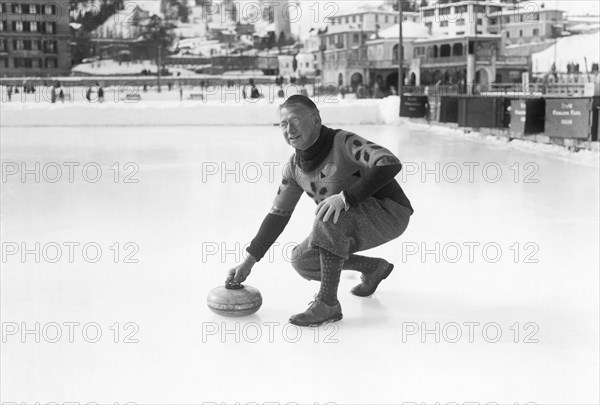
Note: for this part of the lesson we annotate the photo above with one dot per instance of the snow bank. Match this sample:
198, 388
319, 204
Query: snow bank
574, 49
169, 113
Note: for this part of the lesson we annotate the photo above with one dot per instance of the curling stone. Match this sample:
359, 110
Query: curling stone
234, 300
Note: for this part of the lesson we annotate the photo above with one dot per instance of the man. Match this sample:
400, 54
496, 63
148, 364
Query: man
359, 206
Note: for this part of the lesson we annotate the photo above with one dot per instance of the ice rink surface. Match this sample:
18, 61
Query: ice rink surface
499, 264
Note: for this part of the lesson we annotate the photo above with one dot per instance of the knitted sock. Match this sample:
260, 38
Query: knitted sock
331, 268
364, 264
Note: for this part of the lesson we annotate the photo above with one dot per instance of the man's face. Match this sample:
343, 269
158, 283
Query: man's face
300, 126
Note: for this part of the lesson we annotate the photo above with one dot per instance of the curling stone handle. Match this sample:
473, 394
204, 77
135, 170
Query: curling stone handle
234, 286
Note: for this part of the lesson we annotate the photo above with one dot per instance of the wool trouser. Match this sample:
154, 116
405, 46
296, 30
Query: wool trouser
371, 223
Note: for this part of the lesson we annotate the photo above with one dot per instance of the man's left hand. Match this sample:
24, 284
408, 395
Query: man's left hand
332, 205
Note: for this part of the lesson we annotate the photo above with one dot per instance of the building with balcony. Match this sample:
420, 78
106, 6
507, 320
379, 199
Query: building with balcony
34, 38
453, 17
465, 61
344, 52
383, 55
526, 23
518, 23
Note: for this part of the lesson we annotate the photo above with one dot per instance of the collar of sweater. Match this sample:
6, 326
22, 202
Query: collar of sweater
312, 157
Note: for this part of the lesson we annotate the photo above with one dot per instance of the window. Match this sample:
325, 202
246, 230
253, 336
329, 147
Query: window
353, 18
355, 38
478, 32
520, 33
50, 46
3, 47
376, 17
443, 23
507, 34
27, 45
26, 26
32, 9
50, 28
49, 9
4, 62
429, 13
460, 21
26, 62
477, 9
386, 19
2, 26
33, 27
18, 26
461, 10
51, 63
16, 9
36, 63
460, 33
479, 21
506, 20
536, 32
445, 10
3, 8
18, 45
36, 45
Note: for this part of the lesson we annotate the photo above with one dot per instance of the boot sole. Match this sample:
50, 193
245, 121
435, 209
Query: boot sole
385, 275
330, 320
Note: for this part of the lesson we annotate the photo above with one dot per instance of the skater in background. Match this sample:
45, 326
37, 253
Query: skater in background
53, 94
427, 111
100, 93
359, 206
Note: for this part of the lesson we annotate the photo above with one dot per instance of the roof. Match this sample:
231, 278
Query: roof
409, 30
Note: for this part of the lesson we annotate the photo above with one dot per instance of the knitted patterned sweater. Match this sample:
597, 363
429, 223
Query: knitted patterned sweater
354, 165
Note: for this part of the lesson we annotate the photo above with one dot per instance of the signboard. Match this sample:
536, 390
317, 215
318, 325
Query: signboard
527, 116
413, 106
569, 117
518, 116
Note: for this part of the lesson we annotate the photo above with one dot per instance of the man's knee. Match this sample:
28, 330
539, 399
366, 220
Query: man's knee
306, 263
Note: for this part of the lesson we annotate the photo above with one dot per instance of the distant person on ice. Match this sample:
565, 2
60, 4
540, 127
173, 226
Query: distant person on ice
359, 206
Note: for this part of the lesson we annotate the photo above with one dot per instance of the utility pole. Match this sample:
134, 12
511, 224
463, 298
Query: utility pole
159, 61
400, 55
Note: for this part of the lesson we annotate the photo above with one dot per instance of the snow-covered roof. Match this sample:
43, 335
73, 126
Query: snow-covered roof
409, 30
573, 49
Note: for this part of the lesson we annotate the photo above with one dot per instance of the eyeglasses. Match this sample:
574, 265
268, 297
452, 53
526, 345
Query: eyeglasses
292, 121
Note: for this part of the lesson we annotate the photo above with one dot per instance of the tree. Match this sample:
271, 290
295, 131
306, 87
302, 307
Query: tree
93, 13
156, 34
